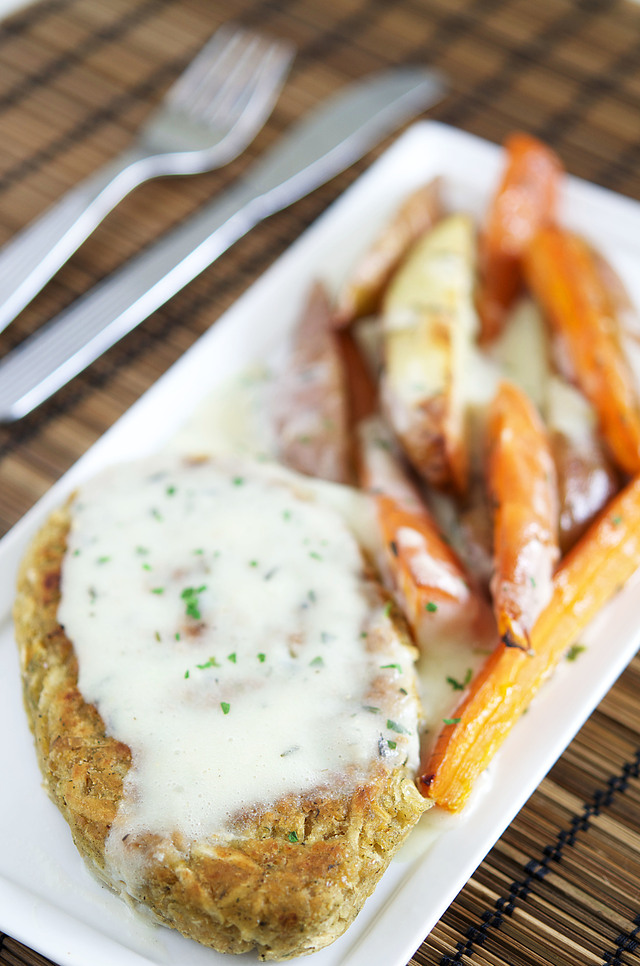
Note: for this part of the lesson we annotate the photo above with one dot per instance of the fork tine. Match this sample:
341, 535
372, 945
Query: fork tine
256, 87
227, 71
219, 47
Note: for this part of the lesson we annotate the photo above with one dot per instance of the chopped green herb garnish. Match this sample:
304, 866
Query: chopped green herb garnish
186, 674
398, 728
157, 636
392, 744
147, 566
431, 607
371, 708
226, 707
398, 668
170, 490
460, 685
190, 597
210, 663
316, 556
293, 837
232, 657
450, 721
76, 553
286, 514
103, 560
387, 608
616, 521
142, 550
253, 563
157, 590
575, 651
177, 635
238, 480
262, 658
198, 551
317, 662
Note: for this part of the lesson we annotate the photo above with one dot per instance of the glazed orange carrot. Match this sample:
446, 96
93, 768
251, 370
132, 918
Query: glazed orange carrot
525, 200
564, 275
523, 489
363, 290
426, 577
589, 576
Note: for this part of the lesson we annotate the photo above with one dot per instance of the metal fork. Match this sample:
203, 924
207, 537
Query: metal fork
207, 118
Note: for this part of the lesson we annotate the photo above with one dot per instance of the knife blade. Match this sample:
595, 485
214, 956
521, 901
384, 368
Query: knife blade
316, 149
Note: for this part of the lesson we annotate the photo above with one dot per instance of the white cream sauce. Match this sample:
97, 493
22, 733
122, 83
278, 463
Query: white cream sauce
225, 632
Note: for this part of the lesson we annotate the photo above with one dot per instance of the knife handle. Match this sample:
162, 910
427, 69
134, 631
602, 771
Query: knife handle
57, 352
36, 253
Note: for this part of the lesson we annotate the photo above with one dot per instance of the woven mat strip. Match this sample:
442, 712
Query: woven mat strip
562, 885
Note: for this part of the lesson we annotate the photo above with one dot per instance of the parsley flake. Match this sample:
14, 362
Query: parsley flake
398, 728
190, 596
226, 707
460, 685
210, 663
431, 607
450, 721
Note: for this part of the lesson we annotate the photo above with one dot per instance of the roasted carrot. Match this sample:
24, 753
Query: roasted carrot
523, 489
588, 577
564, 275
362, 292
525, 200
428, 580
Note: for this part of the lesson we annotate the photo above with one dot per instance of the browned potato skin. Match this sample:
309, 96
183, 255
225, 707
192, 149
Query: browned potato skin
363, 291
310, 406
429, 325
586, 483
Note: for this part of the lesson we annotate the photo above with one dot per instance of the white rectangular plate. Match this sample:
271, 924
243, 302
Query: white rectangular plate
47, 899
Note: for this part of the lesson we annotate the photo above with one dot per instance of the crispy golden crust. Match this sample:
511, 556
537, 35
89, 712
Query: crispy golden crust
292, 881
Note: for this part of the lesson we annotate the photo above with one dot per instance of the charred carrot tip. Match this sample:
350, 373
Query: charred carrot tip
510, 641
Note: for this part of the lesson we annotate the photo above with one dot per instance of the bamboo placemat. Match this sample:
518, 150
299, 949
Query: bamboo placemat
77, 77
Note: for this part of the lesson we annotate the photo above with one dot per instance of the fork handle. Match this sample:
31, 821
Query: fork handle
36, 253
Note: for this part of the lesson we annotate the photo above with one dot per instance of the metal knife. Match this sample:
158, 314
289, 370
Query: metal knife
316, 149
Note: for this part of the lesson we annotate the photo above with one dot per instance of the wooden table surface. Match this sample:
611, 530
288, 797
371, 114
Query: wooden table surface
77, 77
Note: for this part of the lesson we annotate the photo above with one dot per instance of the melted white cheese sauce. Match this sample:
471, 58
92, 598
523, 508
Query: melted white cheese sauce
224, 631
